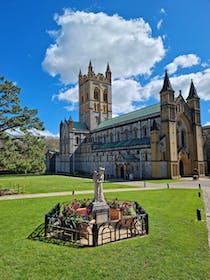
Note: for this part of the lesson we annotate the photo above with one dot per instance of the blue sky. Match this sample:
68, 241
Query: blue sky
45, 43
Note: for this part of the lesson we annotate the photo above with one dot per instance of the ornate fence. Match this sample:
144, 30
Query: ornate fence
92, 234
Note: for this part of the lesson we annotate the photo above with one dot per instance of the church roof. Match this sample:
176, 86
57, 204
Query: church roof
122, 144
141, 113
79, 126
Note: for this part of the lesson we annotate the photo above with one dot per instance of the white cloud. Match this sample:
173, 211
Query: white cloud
201, 81
129, 95
18, 133
70, 95
159, 24
183, 61
44, 133
127, 90
127, 44
162, 11
207, 124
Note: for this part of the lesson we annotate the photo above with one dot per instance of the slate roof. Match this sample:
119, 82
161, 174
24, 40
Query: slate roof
192, 92
138, 114
166, 84
122, 144
79, 126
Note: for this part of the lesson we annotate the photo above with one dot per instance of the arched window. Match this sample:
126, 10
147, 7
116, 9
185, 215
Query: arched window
135, 133
126, 134
183, 138
118, 136
105, 96
78, 140
95, 107
144, 131
96, 93
111, 137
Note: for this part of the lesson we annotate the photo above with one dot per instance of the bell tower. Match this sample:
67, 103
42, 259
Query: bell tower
168, 127
193, 102
95, 97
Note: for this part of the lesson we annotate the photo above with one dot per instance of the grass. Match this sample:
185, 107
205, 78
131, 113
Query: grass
49, 183
176, 247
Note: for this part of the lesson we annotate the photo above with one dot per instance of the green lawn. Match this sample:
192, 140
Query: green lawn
49, 183
175, 249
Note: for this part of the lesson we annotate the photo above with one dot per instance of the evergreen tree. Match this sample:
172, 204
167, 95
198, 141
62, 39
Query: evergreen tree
24, 153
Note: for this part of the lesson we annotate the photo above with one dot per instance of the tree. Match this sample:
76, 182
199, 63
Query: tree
12, 115
24, 153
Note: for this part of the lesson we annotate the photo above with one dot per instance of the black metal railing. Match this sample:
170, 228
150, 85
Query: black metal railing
87, 233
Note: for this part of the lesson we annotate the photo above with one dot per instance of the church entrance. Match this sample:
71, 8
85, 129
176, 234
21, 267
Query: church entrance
181, 168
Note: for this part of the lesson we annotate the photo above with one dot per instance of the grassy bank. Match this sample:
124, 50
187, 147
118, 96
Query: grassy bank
176, 247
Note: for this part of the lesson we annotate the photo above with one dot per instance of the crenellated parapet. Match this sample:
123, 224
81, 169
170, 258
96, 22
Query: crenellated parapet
97, 77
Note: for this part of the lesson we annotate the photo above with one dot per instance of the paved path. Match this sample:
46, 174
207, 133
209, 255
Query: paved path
203, 183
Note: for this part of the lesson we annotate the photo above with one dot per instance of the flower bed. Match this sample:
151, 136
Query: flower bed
73, 221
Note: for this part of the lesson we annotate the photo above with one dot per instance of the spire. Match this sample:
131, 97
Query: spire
108, 68
90, 69
80, 73
108, 73
166, 84
192, 92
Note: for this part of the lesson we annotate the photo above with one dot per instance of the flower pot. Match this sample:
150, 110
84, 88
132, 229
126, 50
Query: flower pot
127, 221
115, 214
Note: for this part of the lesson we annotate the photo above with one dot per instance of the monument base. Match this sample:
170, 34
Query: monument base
100, 212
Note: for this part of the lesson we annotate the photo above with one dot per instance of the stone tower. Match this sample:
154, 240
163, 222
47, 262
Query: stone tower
193, 102
95, 97
155, 150
168, 128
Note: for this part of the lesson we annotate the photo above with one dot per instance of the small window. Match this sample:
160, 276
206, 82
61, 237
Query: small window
105, 96
96, 94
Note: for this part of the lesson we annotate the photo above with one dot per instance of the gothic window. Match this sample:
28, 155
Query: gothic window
118, 136
144, 131
135, 133
105, 96
105, 110
104, 138
183, 138
82, 99
126, 134
177, 137
95, 107
96, 94
98, 108
145, 156
111, 137
78, 140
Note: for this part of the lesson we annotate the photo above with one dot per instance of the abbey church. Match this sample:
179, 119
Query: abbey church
164, 140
